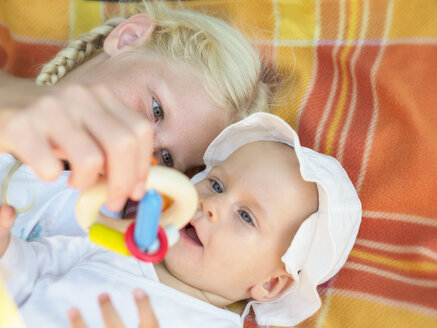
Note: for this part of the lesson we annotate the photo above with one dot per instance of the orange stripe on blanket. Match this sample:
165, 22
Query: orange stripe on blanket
402, 168
368, 282
313, 110
352, 156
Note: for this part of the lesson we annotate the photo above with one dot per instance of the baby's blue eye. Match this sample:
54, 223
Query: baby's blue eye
246, 217
217, 188
157, 109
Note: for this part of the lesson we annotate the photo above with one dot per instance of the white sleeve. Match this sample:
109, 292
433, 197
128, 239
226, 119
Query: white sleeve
26, 263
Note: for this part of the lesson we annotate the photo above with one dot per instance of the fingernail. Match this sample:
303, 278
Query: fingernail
139, 294
6, 210
73, 313
116, 205
103, 297
138, 191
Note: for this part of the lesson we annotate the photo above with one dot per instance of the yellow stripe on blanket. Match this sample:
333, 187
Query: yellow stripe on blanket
85, 16
351, 34
296, 20
419, 266
41, 22
362, 313
414, 20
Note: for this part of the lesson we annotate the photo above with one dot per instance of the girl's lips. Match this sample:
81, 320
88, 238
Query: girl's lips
189, 234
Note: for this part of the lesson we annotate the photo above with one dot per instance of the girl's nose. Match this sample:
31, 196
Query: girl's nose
209, 210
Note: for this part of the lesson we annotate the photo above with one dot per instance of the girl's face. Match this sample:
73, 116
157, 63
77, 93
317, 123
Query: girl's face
170, 95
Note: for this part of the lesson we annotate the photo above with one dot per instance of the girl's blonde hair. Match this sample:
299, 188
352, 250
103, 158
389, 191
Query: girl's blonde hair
221, 54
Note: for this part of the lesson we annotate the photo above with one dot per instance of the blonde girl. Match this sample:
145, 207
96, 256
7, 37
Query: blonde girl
186, 75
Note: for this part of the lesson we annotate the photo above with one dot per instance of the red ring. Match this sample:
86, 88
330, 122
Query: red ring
156, 257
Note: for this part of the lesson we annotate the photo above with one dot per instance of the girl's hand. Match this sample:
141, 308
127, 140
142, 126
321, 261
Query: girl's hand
7, 219
110, 316
89, 127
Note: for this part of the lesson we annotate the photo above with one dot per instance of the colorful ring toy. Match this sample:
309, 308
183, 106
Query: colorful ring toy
144, 256
118, 235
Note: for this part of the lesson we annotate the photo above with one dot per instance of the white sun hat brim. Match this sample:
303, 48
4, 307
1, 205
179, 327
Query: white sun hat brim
324, 240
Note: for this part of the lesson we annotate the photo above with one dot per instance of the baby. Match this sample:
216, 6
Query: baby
274, 220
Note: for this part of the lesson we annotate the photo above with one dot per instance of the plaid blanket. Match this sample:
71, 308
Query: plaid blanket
362, 78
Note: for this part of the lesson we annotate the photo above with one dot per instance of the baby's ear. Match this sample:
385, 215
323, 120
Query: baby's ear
135, 30
271, 288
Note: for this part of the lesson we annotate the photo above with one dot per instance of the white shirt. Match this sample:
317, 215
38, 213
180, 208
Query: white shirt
49, 276
50, 206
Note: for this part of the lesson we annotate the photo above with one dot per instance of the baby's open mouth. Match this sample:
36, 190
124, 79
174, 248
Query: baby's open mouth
190, 232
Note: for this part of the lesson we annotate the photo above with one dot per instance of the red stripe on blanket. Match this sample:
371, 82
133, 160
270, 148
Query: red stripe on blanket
397, 232
334, 110
356, 139
24, 65
5, 46
313, 110
25, 58
369, 283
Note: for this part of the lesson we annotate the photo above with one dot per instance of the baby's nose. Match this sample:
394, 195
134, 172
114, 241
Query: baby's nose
208, 210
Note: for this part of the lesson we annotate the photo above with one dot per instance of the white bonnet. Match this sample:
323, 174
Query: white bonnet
323, 241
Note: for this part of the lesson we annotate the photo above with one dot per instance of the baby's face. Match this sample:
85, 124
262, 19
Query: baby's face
250, 207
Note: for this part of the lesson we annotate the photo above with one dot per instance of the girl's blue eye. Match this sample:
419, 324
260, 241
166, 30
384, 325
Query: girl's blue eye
166, 158
217, 188
157, 109
246, 217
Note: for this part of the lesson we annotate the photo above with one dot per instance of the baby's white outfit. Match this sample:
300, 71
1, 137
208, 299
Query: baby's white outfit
51, 205
49, 276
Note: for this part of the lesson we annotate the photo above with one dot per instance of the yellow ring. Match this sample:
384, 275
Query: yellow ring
167, 181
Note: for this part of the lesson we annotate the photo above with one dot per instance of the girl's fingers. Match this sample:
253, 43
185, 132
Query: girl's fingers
141, 130
110, 316
145, 311
26, 141
79, 148
95, 131
76, 319
7, 218
116, 141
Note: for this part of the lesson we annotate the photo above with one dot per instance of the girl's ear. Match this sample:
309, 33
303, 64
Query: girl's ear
133, 31
269, 289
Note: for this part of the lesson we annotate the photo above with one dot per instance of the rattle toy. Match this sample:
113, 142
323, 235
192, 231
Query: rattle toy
170, 199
